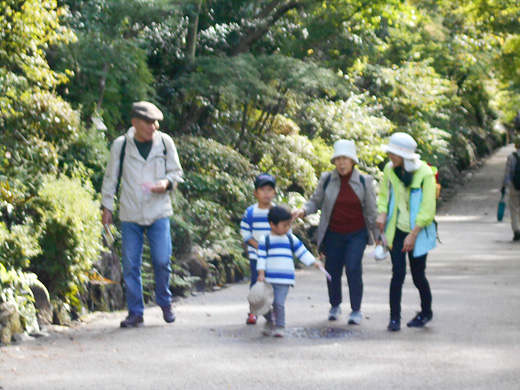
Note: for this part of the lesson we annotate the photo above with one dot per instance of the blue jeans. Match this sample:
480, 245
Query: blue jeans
278, 310
160, 241
345, 250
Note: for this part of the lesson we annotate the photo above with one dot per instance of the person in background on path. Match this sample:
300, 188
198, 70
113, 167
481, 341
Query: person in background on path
514, 193
406, 206
276, 265
347, 202
255, 225
516, 121
150, 171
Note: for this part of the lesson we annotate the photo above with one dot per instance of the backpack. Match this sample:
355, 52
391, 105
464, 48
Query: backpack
122, 158
516, 173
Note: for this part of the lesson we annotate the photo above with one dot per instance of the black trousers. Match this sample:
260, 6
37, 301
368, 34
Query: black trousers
417, 267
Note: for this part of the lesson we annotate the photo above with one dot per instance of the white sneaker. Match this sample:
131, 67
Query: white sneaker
279, 332
268, 329
334, 313
355, 318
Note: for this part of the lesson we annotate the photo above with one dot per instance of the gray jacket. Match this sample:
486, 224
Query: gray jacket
136, 205
325, 199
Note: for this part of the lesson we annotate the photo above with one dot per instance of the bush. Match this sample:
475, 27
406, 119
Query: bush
69, 219
215, 172
15, 289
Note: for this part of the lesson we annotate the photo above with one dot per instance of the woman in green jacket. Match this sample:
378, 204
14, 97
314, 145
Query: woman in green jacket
406, 206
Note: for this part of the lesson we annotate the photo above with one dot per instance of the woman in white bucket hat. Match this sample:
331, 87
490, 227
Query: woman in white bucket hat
406, 206
347, 202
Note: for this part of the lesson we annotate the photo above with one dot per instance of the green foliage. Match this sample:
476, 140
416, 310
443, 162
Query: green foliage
216, 173
358, 118
108, 64
27, 29
68, 217
35, 126
90, 148
289, 159
18, 245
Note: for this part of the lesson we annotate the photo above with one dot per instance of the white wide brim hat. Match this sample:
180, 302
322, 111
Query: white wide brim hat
261, 297
345, 148
403, 145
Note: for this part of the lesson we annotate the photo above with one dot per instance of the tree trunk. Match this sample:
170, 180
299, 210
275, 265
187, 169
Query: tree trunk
102, 85
271, 14
193, 27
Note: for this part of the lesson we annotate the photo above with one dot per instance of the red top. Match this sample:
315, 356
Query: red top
347, 214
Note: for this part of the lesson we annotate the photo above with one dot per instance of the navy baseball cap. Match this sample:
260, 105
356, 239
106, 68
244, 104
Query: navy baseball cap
265, 179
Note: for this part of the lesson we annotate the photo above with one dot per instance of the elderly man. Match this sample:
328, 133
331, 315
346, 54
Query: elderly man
145, 163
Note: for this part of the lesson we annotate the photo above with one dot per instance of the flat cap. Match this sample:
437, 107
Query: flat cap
147, 111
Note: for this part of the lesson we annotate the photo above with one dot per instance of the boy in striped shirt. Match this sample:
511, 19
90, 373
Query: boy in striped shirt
255, 225
276, 265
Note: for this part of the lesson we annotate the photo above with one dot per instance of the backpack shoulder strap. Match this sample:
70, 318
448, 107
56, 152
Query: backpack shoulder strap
291, 241
249, 216
267, 244
362, 179
121, 160
165, 151
327, 181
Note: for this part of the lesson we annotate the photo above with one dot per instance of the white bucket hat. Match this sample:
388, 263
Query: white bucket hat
261, 297
345, 148
403, 145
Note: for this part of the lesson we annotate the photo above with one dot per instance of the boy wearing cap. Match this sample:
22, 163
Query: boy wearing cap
144, 162
276, 264
255, 225
406, 206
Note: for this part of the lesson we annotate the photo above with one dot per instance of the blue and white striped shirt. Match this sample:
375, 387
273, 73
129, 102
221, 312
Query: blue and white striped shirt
256, 228
278, 263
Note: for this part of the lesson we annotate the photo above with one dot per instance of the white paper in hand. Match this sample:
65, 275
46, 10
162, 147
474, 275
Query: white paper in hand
326, 273
147, 187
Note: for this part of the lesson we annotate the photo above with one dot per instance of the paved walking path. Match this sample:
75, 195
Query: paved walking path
473, 341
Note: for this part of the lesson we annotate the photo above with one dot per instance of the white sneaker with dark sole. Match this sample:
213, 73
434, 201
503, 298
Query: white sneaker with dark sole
268, 329
355, 318
334, 313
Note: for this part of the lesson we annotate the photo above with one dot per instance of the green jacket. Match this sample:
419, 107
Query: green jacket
422, 178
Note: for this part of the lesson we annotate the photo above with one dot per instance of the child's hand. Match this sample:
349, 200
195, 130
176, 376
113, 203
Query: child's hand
318, 264
253, 243
260, 278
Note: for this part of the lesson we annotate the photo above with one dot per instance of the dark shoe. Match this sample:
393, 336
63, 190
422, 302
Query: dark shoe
516, 237
419, 320
168, 314
132, 321
394, 325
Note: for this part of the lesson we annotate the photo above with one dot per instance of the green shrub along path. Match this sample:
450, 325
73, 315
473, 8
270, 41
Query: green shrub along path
472, 342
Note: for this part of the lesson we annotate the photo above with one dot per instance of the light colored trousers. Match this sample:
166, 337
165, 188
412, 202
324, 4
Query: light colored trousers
514, 206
